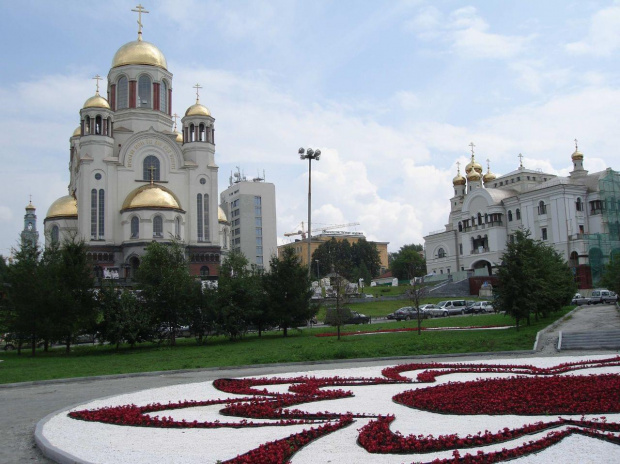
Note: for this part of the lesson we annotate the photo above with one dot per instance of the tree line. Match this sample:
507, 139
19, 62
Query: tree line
49, 297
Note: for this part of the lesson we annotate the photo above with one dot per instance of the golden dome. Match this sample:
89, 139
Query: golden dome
96, 101
489, 176
151, 196
77, 132
473, 165
64, 206
197, 109
221, 215
139, 52
577, 155
458, 179
473, 176
179, 138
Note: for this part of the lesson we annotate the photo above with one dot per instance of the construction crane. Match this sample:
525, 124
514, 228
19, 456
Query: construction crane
302, 232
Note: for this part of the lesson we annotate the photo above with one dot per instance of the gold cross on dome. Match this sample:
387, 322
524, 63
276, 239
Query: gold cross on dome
152, 169
98, 78
472, 148
488, 164
576, 147
139, 9
197, 87
520, 160
175, 117
458, 166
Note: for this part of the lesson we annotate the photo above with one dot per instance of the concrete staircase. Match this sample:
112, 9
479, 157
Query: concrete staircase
593, 340
452, 289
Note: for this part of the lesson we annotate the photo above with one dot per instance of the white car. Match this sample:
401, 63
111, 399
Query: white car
482, 307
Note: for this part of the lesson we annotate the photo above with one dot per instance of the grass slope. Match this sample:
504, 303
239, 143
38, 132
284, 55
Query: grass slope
300, 345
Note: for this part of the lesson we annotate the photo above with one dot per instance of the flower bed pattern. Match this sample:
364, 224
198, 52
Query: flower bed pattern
529, 391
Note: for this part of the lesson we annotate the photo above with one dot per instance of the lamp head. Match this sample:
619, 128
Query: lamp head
317, 154
301, 151
310, 151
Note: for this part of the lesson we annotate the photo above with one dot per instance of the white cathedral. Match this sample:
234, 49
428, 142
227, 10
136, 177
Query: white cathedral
578, 215
134, 178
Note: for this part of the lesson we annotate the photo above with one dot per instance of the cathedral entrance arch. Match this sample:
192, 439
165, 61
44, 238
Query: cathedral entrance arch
482, 266
133, 263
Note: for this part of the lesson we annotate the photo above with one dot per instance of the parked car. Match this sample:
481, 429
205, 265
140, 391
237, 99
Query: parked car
482, 307
453, 306
358, 318
436, 311
404, 313
579, 300
10, 342
426, 308
603, 296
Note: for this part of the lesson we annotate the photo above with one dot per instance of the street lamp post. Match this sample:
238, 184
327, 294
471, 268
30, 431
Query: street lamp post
309, 154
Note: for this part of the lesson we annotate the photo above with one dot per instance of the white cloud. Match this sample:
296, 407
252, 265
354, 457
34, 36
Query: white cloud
603, 36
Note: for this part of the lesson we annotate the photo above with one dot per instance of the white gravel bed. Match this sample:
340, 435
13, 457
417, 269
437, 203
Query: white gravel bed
102, 443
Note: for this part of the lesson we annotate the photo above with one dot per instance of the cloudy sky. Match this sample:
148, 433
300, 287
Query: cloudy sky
392, 92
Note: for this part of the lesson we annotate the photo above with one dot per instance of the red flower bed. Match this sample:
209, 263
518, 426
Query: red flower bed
592, 394
533, 391
412, 329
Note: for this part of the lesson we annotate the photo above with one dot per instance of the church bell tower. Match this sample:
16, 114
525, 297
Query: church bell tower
29, 235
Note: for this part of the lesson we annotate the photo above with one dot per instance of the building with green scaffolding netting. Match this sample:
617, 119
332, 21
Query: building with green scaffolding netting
578, 215
604, 239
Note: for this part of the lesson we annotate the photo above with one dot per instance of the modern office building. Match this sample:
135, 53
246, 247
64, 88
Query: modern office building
250, 206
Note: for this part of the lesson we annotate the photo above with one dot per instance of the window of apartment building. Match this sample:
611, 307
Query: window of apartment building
259, 260
259, 241
258, 222
543, 233
259, 231
259, 250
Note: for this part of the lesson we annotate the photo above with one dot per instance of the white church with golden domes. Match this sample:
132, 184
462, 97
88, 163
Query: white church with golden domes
578, 215
134, 178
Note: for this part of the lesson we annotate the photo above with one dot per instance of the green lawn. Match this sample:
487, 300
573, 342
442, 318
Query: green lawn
301, 345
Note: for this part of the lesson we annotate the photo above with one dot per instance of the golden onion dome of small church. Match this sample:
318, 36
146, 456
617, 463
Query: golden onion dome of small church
458, 179
63, 207
473, 165
77, 132
489, 176
151, 196
474, 176
197, 109
577, 155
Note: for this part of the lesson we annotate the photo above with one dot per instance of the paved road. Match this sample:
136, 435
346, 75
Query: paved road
23, 405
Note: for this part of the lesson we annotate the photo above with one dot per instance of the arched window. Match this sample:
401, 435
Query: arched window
55, 234
509, 215
204, 271
87, 125
579, 205
122, 93
177, 227
98, 123
201, 133
144, 91
542, 208
135, 227
441, 253
518, 211
163, 97
192, 133
158, 226
199, 217
97, 214
479, 219
150, 165
460, 227
202, 217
